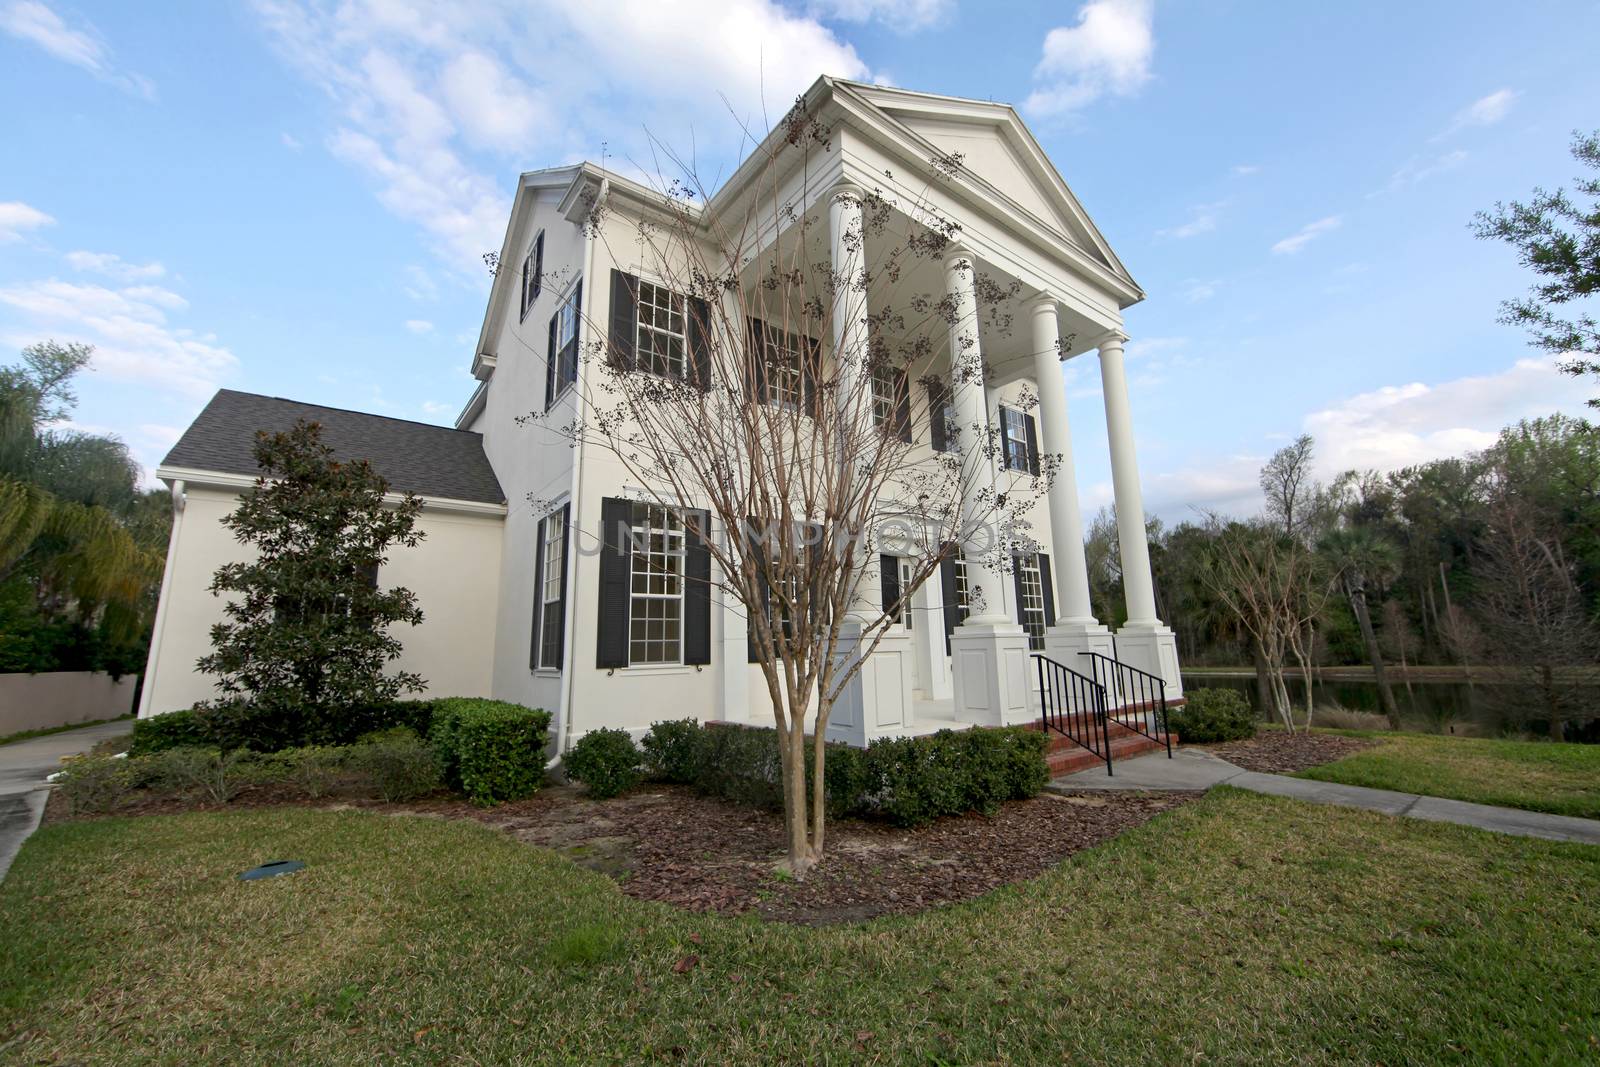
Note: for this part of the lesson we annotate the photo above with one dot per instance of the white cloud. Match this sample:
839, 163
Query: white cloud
114, 266
1484, 111
903, 15
17, 218
1244, 170
290, 141
1400, 425
32, 21
1419, 169
1196, 290
134, 342
419, 284
419, 326
418, 90
1203, 220
435, 409
1305, 235
1108, 52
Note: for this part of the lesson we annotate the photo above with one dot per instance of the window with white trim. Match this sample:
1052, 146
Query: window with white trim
1032, 600
1014, 431
550, 621
962, 607
782, 353
655, 615
566, 341
662, 339
906, 571
885, 395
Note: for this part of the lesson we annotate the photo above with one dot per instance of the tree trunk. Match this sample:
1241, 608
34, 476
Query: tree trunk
1358, 604
1264, 694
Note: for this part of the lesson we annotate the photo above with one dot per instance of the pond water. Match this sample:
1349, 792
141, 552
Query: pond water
1479, 710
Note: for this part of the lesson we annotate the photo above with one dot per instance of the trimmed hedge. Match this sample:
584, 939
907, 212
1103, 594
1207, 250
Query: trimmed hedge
235, 724
175, 729
908, 780
1212, 715
605, 761
489, 749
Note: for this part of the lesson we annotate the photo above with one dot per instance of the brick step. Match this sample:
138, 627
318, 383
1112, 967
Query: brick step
1059, 742
1074, 758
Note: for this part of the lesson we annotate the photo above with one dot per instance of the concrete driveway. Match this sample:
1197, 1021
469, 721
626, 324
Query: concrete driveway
23, 790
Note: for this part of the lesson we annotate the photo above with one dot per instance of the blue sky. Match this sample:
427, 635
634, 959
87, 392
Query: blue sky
291, 197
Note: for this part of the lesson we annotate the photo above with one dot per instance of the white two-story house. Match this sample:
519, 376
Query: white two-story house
522, 599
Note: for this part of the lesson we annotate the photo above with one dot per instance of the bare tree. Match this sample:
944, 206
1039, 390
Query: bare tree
1531, 610
1287, 484
1278, 589
1399, 639
766, 407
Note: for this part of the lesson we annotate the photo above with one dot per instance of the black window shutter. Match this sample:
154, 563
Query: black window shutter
699, 342
1016, 581
624, 339
569, 355
561, 611
538, 267
1033, 444
1046, 584
523, 311
938, 428
947, 581
889, 581
902, 405
550, 364
757, 385
616, 536
538, 594
697, 590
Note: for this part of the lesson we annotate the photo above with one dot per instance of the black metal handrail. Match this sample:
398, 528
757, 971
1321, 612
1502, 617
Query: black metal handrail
1130, 689
1073, 705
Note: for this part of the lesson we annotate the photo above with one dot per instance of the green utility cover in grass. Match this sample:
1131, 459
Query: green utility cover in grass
271, 870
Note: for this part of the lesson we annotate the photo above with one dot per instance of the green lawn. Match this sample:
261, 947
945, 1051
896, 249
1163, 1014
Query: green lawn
1537, 775
1238, 929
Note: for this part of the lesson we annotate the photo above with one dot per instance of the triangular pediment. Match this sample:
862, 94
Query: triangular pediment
998, 152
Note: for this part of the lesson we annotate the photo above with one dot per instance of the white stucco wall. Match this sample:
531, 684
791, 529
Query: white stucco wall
454, 572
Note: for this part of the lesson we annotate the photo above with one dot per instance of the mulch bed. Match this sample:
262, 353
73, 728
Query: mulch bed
1280, 752
670, 844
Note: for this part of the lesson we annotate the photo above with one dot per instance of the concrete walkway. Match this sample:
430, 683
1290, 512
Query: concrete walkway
23, 790
1197, 769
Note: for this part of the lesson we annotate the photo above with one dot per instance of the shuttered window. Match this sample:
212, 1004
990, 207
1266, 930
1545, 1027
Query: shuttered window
532, 273
891, 401
1030, 601
941, 418
662, 341
1020, 440
553, 590
655, 578
655, 616
561, 372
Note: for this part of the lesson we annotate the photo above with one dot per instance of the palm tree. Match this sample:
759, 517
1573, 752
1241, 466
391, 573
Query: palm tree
1360, 557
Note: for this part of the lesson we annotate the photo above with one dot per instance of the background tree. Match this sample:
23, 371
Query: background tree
1559, 240
779, 434
1289, 487
307, 632
1361, 559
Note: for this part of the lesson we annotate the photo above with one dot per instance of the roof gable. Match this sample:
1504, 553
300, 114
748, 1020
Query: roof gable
999, 154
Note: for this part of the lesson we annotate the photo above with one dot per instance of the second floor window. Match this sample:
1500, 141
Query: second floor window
891, 401
562, 370
663, 338
1020, 441
532, 273
782, 356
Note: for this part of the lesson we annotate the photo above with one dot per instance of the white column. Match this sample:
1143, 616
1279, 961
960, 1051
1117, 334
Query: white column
989, 650
1143, 642
1055, 438
1136, 585
985, 586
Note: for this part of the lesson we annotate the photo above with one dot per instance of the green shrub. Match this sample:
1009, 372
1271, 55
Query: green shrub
742, 765
846, 780
213, 773
491, 750
672, 751
93, 784
1212, 715
174, 729
398, 763
605, 761
311, 770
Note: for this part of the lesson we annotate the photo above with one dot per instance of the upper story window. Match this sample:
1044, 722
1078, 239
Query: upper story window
941, 417
662, 339
782, 357
532, 273
891, 401
1021, 447
655, 615
562, 370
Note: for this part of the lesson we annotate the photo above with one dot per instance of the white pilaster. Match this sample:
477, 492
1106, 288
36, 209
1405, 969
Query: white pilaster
989, 651
1144, 641
1075, 630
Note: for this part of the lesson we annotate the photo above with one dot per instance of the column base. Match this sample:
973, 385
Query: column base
989, 665
1153, 648
1067, 640
877, 701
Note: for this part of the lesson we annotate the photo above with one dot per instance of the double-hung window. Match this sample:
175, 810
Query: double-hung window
1020, 441
891, 401
662, 340
562, 370
1030, 590
655, 616
532, 273
962, 609
782, 356
551, 591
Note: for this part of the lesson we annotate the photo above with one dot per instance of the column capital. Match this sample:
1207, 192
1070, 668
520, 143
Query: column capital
847, 191
1111, 339
1042, 304
955, 253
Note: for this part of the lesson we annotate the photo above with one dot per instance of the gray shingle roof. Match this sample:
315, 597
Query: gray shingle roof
431, 461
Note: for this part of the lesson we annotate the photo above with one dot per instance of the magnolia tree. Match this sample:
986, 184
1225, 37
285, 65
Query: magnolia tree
766, 404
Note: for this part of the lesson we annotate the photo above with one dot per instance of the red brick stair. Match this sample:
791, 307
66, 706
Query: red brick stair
1065, 756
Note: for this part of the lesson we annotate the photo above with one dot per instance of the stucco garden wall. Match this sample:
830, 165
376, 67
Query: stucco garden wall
61, 698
